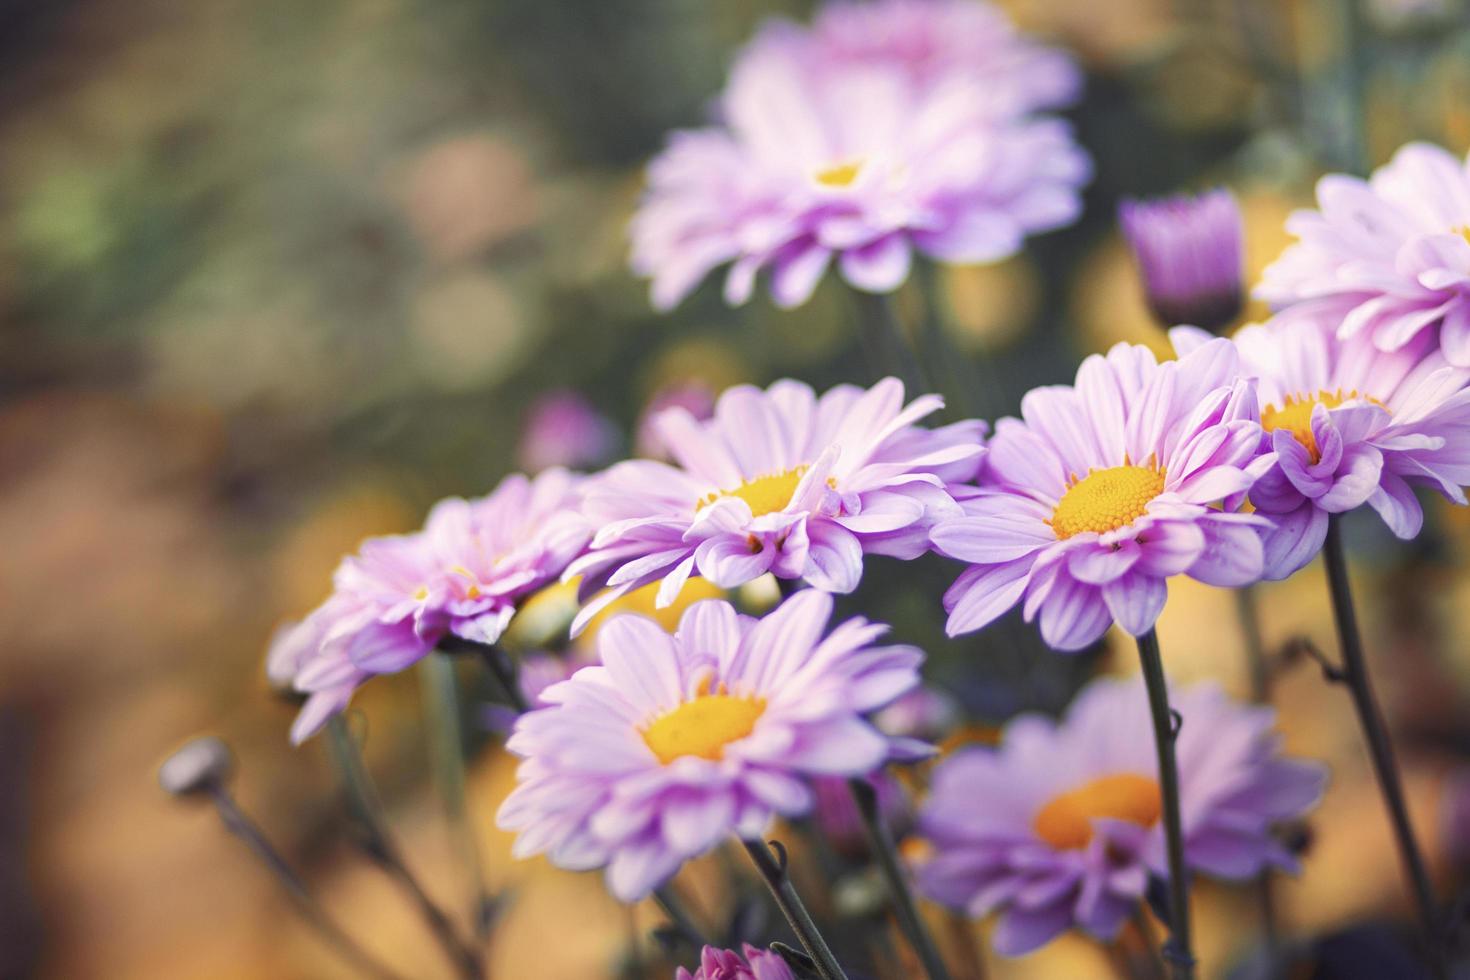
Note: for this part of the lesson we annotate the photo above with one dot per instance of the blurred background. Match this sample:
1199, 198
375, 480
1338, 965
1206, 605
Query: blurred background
275, 276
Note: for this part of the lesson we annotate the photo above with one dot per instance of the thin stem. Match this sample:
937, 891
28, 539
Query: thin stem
1178, 951
504, 672
679, 916
441, 704
1248, 611
237, 823
1375, 732
796, 914
880, 841
379, 843
886, 343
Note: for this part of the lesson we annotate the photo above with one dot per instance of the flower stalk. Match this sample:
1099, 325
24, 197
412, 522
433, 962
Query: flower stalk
378, 842
886, 343
1178, 951
1375, 733
776, 879
880, 841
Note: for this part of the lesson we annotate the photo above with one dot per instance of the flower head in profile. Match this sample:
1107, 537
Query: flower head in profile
823, 157
1349, 425
777, 481
1388, 257
399, 596
676, 741
726, 964
1190, 257
1060, 825
1102, 491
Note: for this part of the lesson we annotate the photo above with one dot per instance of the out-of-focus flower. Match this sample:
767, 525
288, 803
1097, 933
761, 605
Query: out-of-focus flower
726, 964
1060, 826
1388, 257
198, 765
925, 713
463, 574
563, 429
694, 397
1349, 425
932, 41
830, 148
676, 741
1454, 815
1102, 491
778, 481
837, 815
1189, 255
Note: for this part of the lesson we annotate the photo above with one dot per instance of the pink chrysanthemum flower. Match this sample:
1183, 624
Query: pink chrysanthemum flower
462, 575
777, 481
726, 964
1102, 491
1387, 257
1349, 425
1060, 826
676, 741
933, 40
563, 429
821, 157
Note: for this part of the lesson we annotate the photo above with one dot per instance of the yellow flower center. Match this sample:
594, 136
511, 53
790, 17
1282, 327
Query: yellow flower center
1066, 821
839, 175
472, 589
703, 726
1295, 416
765, 494
1106, 500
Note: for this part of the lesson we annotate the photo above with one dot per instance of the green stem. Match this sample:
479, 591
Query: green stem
796, 914
880, 841
239, 824
1178, 951
886, 343
367, 810
1247, 608
441, 704
1375, 732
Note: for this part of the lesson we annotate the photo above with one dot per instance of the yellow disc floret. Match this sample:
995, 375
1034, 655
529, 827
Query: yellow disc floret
1066, 821
1295, 416
703, 727
839, 175
765, 494
1106, 500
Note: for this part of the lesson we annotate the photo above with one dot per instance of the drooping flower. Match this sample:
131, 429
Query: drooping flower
778, 481
1387, 257
563, 429
1100, 492
726, 964
1349, 425
1189, 256
1060, 826
676, 741
821, 157
932, 41
399, 596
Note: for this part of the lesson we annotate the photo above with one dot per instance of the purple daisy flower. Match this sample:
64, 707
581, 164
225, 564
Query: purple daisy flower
821, 157
1102, 491
563, 429
1349, 425
1387, 257
1060, 826
777, 481
933, 40
463, 574
1189, 256
674, 742
726, 964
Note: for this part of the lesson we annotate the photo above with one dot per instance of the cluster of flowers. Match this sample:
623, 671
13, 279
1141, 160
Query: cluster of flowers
1221, 464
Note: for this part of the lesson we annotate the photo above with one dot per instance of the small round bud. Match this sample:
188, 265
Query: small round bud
200, 764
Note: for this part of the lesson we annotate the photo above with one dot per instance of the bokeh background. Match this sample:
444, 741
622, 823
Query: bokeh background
276, 275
